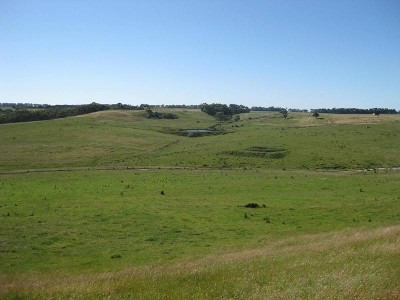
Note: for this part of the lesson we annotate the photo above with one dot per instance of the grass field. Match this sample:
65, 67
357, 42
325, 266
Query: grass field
114, 205
120, 138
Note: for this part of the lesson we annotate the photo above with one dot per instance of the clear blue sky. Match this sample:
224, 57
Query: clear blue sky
299, 54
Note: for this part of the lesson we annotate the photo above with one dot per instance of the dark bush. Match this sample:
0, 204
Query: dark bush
157, 115
267, 219
252, 205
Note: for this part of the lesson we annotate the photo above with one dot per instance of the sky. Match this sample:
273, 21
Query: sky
294, 54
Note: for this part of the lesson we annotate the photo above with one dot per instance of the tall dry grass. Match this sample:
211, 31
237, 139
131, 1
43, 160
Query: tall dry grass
351, 264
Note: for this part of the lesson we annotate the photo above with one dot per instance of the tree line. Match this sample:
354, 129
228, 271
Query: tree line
270, 108
23, 105
277, 109
25, 112
14, 105
25, 115
354, 111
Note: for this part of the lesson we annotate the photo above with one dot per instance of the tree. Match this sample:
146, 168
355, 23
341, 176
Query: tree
315, 114
223, 112
213, 109
238, 109
284, 113
220, 116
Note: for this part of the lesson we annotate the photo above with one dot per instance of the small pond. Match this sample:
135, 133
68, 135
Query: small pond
200, 131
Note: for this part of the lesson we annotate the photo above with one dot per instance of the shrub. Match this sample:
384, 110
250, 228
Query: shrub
157, 115
252, 205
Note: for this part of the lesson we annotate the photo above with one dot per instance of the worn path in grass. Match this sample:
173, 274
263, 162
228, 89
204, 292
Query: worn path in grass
148, 168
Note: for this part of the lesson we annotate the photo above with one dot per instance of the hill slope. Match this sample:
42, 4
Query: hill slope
128, 139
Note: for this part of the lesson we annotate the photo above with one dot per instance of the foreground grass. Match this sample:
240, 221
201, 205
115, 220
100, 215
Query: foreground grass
108, 220
362, 264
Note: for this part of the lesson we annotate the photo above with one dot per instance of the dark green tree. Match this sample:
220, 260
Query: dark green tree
284, 113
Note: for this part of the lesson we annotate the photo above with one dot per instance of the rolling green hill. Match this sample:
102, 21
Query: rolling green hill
128, 139
115, 205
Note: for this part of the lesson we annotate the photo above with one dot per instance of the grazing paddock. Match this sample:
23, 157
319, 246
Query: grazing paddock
114, 205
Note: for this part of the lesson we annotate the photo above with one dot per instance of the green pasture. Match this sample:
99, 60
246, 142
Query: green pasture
127, 138
77, 221
115, 205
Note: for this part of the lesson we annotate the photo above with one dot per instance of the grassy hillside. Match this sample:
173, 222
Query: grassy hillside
121, 138
115, 205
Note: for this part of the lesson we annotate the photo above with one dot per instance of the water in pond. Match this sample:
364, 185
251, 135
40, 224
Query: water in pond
200, 131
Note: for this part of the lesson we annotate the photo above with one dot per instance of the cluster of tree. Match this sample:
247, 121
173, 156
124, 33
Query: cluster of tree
354, 111
223, 112
157, 115
24, 115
